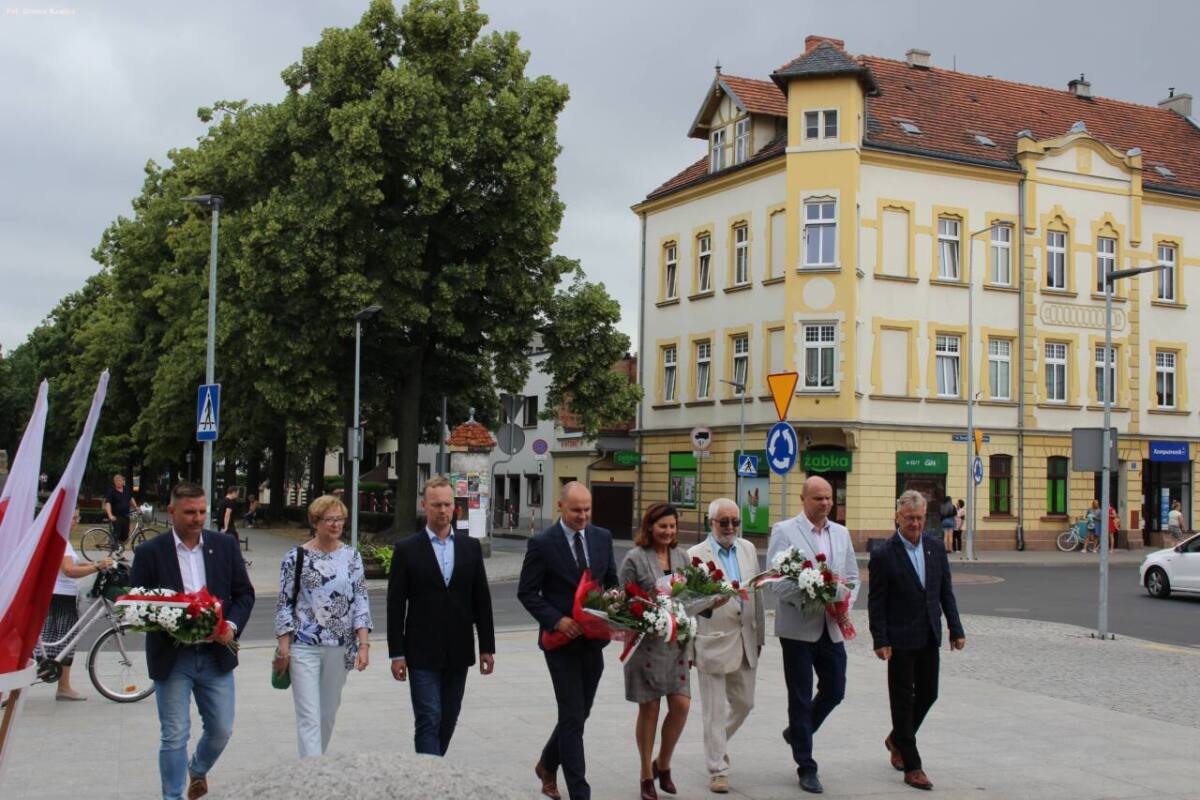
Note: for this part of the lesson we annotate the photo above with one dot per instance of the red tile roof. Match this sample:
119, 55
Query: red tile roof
949, 108
471, 435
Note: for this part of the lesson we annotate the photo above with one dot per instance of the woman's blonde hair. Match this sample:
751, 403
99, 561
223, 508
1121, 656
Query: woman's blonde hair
318, 507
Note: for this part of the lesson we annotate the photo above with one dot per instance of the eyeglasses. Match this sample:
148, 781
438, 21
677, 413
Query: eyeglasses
728, 522
333, 520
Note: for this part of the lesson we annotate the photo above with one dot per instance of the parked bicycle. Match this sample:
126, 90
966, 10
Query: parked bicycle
116, 661
101, 542
1073, 537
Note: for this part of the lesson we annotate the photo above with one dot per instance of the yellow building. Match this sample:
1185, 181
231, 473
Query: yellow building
840, 217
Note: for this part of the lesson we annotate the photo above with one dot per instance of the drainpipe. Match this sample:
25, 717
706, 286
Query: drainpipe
641, 351
1021, 372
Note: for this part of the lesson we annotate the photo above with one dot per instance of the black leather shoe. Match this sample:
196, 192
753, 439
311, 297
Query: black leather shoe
787, 736
809, 782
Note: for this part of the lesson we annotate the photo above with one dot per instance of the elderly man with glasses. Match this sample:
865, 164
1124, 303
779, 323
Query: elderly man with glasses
729, 641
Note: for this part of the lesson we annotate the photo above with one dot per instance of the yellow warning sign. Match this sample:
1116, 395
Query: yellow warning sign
783, 389
978, 440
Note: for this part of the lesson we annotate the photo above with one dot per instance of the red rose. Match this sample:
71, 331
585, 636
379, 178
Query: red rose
637, 609
807, 565
696, 561
821, 557
736, 585
711, 566
829, 577
633, 590
718, 575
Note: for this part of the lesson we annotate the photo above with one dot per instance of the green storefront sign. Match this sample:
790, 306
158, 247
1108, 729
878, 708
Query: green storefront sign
826, 461
921, 463
627, 458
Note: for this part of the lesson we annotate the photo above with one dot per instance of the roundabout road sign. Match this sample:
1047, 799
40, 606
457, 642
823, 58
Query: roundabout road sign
782, 448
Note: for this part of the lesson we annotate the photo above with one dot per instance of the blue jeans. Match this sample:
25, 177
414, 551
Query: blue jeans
436, 698
195, 673
806, 712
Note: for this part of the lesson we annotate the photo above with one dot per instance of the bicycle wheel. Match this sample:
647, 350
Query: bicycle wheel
97, 543
1067, 540
117, 665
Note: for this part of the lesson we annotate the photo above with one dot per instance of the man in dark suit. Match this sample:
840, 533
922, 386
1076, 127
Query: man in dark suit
554, 561
438, 597
188, 560
909, 589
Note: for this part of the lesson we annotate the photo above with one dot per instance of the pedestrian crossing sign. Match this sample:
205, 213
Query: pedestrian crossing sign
208, 412
747, 466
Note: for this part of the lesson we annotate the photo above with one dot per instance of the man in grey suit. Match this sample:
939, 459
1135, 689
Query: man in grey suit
810, 639
728, 641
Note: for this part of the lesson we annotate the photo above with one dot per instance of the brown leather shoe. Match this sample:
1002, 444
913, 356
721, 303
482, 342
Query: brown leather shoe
549, 781
197, 786
917, 779
896, 758
648, 792
664, 778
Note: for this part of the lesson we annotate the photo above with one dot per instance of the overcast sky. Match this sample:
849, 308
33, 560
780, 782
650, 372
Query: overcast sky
90, 90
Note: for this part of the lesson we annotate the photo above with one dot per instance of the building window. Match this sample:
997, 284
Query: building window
671, 265
741, 255
1106, 384
530, 417
821, 124
948, 248
820, 234
1056, 485
669, 356
423, 474
819, 348
741, 140
703, 362
1166, 276
534, 489
1056, 372
1000, 368
716, 158
1001, 255
741, 363
948, 348
1000, 484
1106, 260
1056, 260
1164, 378
704, 263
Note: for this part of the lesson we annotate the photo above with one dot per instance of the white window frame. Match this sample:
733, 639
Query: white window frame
741, 255
741, 140
1001, 255
716, 153
670, 373
949, 249
820, 339
1106, 260
1000, 364
948, 352
1056, 372
671, 279
1056, 260
741, 363
704, 263
1165, 362
703, 370
820, 217
1098, 361
826, 124
1166, 277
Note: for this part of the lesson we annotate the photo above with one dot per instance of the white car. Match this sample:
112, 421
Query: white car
1176, 569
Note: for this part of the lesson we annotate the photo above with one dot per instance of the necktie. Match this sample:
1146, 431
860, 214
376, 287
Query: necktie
580, 558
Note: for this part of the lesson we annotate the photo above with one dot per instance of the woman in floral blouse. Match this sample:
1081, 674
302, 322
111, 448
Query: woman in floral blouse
322, 629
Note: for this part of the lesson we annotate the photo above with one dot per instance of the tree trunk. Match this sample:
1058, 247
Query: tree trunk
407, 424
229, 475
253, 474
316, 470
278, 471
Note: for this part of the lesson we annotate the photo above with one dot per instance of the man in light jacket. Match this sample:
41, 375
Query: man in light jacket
810, 638
728, 641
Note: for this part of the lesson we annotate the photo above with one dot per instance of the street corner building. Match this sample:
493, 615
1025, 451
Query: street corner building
845, 209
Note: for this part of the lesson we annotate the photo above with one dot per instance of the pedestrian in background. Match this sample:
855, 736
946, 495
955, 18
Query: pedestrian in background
1092, 541
1113, 526
948, 513
322, 621
118, 503
1175, 522
960, 524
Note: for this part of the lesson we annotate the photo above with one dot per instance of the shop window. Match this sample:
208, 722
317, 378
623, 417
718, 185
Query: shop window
1000, 485
1056, 485
681, 481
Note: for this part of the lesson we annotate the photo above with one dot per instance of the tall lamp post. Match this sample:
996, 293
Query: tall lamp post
212, 201
1108, 377
354, 440
972, 450
740, 388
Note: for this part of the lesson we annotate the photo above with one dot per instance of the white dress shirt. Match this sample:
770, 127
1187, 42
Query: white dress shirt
191, 564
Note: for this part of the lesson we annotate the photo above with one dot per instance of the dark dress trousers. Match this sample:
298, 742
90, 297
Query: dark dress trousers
907, 617
433, 626
156, 566
549, 578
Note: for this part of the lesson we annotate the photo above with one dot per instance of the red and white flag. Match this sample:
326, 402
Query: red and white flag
18, 501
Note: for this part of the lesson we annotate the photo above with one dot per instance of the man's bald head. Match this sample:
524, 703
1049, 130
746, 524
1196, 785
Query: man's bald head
575, 505
817, 496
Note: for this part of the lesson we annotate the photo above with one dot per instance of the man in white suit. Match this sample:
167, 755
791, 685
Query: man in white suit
728, 641
810, 639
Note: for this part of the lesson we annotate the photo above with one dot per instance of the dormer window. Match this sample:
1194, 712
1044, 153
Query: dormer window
821, 124
716, 159
741, 140
909, 128
1164, 171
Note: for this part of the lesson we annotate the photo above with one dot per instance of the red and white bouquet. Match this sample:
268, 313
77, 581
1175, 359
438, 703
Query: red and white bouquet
817, 585
700, 585
188, 618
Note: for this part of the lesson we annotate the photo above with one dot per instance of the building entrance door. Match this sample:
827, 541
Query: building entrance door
612, 508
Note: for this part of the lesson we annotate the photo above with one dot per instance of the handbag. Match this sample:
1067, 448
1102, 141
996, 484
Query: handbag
283, 679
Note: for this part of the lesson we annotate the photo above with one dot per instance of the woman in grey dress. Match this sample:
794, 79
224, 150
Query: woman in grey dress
657, 668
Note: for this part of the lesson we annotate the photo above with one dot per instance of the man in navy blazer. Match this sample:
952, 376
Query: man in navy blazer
909, 589
187, 560
554, 561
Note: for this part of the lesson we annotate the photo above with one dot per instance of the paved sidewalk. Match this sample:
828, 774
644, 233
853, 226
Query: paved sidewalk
1028, 710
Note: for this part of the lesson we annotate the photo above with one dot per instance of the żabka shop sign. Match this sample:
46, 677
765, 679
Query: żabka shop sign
826, 461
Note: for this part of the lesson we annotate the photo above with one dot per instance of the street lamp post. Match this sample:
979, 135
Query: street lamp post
212, 201
355, 438
972, 450
740, 388
1108, 376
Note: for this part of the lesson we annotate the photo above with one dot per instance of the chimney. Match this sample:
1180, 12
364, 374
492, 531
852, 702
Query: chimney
1181, 104
812, 41
917, 58
1080, 88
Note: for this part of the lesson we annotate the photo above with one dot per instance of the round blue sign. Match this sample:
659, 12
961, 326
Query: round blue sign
782, 448
539, 447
